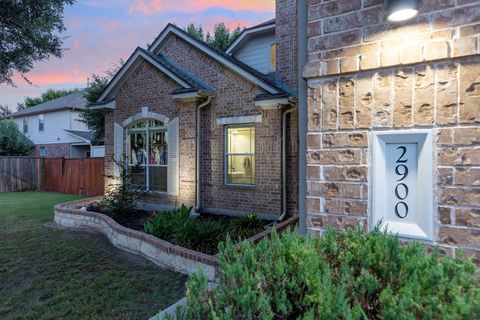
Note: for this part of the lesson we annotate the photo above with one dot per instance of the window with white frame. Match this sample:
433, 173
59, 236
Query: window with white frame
43, 152
25, 125
147, 153
240, 155
41, 123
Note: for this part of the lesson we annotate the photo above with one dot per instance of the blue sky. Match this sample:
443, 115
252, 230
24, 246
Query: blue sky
101, 32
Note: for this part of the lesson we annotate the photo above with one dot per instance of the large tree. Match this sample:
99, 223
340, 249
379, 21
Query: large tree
30, 31
95, 119
12, 141
50, 94
222, 36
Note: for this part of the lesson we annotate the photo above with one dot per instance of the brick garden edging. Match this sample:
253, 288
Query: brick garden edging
160, 252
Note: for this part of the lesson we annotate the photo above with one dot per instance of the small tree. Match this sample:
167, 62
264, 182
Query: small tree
4, 110
12, 141
222, 36
95, 119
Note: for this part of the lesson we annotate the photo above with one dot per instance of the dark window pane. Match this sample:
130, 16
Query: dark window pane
158, 179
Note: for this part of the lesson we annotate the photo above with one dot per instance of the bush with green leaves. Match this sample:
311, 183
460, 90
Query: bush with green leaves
120, 200
245, 227
340, 275
176, 226
12, 141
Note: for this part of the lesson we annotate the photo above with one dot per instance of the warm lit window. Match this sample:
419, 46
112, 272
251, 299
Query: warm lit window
240, 155
41, 123
25, 125
273, 56
147, 155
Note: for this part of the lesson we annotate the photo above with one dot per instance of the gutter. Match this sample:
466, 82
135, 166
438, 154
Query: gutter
302, 116
284, 162
197, 156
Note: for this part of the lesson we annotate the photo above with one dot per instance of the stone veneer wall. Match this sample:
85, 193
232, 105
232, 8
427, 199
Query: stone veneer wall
364, 75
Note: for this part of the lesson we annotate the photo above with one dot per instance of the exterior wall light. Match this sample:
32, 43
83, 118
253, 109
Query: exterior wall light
401, 10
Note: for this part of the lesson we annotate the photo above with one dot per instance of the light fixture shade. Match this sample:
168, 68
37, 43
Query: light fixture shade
401, 10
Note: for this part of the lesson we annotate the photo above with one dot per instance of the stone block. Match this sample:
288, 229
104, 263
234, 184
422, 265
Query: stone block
469, 176
403, 100
460, 196
346, 173
334, 157
467, 217
459, 236
345, 140
469, 92
444, 214
465, 46
437, 50
424, 95
447, 93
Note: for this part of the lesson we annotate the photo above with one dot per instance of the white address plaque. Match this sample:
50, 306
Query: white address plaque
402, 182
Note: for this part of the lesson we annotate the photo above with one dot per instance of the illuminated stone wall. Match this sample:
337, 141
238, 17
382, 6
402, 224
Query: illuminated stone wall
366, 75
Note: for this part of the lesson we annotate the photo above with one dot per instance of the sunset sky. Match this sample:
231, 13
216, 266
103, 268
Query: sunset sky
101, 32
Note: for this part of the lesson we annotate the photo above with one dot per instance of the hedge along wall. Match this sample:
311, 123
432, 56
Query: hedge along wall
367, 75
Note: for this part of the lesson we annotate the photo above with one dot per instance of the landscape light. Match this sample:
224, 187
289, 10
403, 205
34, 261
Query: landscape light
401, 10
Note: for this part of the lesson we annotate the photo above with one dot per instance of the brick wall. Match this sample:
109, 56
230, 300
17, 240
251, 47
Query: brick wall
286, 38
365, 75
148, 87
53, 150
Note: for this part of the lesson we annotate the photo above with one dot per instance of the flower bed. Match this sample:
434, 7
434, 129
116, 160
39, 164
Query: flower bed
159, 251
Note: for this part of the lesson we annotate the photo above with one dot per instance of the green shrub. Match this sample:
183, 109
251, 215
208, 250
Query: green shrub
120, 200
340, 275
179, 228
12, 141
245, 227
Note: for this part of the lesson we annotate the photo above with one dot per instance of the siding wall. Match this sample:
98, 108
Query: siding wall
256, 53
55, 125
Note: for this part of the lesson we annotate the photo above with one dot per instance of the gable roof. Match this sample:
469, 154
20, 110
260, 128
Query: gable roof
71, 101
246, 34
184, 78
235, 65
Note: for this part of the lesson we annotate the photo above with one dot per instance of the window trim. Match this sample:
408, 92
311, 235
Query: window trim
41, 121
226, 154
25, 125
147, 164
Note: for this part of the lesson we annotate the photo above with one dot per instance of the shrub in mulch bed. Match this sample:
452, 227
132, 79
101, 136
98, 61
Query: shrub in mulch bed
340, 275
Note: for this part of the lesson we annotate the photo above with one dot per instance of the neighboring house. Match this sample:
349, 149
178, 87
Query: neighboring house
210, 129
55, 129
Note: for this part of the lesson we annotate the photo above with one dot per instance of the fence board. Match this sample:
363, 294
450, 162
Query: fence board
20, 174
75, 176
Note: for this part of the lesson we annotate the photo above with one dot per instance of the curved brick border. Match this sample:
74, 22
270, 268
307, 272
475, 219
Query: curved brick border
159, 251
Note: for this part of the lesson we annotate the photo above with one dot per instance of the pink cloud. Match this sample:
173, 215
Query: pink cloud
150, 7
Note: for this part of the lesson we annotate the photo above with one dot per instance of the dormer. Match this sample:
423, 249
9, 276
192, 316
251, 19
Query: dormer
256, 47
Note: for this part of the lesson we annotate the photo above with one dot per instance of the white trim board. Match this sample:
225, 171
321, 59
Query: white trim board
419, 225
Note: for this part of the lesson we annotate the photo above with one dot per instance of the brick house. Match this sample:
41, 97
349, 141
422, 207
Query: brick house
393, 120
210, 129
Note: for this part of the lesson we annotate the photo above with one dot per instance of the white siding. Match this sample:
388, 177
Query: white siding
256, 53
54, 130
75, 124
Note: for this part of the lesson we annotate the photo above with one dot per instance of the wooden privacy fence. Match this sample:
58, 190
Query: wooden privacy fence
21, 174
74, 176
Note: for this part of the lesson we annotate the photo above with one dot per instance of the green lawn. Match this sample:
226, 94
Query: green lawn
47, 273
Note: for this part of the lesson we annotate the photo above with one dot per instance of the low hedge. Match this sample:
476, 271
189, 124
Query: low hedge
340, 275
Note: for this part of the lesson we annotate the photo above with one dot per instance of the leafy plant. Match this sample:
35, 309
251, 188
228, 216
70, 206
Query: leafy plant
340, 275
178, 227
120, 200
245, 227
12, 141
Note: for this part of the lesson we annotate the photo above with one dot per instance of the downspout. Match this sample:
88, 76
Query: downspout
197, 156
284, 162
302, 116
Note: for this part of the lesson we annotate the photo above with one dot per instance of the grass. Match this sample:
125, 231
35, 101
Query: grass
48, 273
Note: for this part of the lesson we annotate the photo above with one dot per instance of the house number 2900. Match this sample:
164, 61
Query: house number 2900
401, 190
